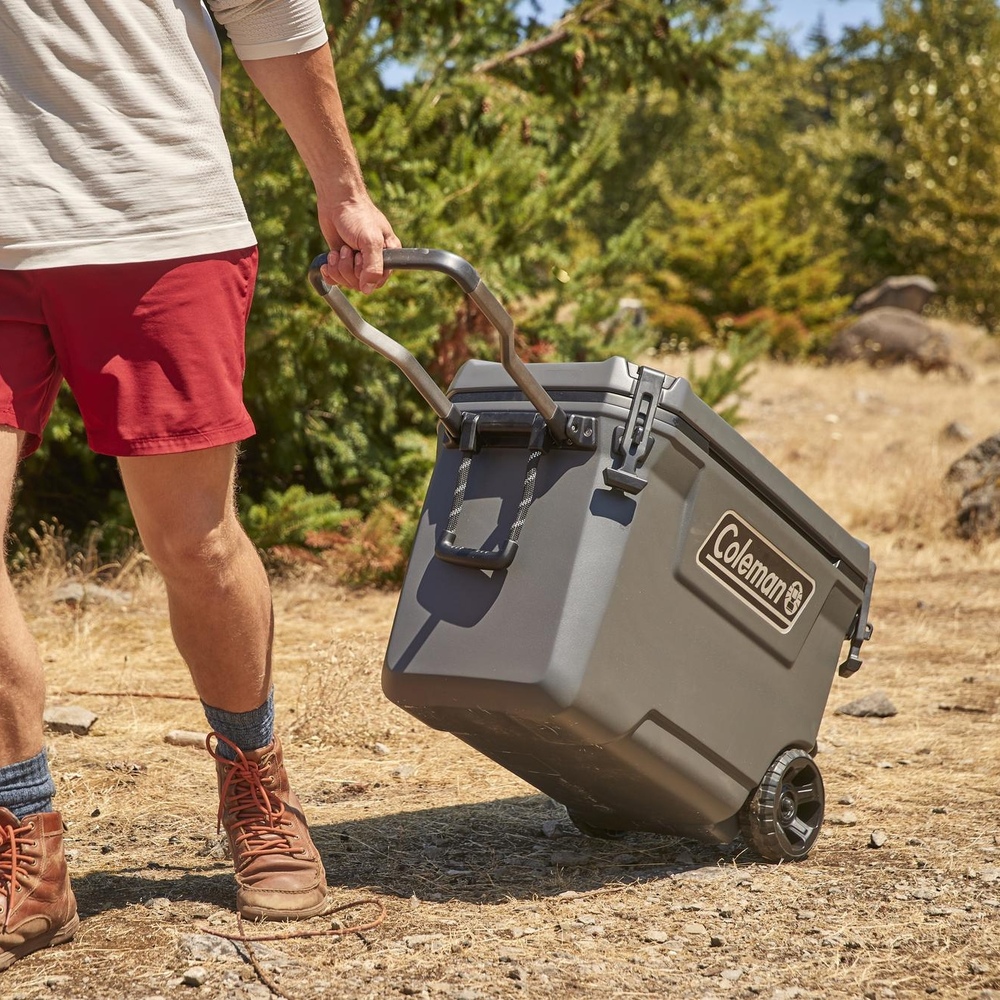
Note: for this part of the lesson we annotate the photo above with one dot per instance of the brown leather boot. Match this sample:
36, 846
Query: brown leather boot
279, 873
37, 906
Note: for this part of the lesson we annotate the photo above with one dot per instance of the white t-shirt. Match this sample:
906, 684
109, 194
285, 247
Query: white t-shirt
111, 147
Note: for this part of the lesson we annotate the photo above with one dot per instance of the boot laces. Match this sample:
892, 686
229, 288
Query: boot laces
257, 820
14, 856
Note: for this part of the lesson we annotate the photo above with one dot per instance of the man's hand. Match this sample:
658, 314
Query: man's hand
357, 233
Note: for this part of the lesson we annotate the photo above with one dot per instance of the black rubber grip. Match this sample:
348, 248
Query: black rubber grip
447, 550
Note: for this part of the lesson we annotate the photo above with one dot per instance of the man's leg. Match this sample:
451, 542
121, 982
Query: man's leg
21, 677
37, 907
217, 590
220, 613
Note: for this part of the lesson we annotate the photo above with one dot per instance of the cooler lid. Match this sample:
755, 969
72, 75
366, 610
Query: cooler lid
616, 376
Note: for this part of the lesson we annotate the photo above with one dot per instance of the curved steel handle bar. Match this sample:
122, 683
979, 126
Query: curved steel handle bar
467, 278
448, 412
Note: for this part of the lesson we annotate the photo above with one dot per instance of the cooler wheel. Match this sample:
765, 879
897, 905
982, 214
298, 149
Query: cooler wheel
781, 819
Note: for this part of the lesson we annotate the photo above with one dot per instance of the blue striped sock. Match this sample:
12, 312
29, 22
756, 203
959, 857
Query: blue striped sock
248, 730
27, 787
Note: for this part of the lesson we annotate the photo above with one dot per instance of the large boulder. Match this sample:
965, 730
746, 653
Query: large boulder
906, 291
891, 336
977, 474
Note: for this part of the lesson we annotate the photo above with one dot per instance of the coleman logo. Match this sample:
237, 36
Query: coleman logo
755, 571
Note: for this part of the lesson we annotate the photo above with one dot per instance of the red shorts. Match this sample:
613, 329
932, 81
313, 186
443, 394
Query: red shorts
153, 352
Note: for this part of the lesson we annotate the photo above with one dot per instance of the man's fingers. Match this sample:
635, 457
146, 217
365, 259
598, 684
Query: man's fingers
371, 271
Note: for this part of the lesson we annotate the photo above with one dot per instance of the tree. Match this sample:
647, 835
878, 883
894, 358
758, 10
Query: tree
530, 149
924, 196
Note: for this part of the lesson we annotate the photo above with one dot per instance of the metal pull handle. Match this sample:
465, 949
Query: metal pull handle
465, 275
446, 410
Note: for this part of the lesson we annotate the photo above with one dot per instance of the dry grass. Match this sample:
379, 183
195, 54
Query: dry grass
490, 891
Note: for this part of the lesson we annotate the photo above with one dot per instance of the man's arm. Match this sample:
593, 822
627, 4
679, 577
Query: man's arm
302, 89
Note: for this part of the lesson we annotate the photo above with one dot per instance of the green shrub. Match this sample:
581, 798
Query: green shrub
676, 326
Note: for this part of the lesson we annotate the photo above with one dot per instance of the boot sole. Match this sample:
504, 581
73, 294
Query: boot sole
248, 912
60, 935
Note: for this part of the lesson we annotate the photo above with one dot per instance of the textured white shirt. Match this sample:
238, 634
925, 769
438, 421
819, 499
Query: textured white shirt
111, 147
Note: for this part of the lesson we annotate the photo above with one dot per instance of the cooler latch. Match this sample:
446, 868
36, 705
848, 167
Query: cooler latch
861, 629
633, 442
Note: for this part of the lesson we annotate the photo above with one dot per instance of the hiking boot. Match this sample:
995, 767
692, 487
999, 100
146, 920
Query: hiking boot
279, 873
37, 906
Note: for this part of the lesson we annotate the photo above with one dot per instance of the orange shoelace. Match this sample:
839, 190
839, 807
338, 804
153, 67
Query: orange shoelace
12, 860
258, 822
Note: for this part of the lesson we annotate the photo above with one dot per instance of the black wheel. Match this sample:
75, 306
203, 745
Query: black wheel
589, 830
781, 819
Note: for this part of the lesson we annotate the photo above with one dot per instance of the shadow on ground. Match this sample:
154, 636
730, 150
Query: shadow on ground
491, 852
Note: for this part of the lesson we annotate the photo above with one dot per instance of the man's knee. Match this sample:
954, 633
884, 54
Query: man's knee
187, 548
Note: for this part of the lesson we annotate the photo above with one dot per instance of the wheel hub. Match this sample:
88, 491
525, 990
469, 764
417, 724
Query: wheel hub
787, 806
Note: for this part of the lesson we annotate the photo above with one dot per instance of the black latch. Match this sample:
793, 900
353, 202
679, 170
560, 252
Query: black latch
634, 441
861, 629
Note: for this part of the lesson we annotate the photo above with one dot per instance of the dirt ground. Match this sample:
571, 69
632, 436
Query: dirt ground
488, 890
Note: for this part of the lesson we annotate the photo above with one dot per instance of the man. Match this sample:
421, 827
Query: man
127, 267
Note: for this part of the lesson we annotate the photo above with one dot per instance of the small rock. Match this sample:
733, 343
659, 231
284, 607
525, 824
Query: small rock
655, 937
717, 942
202, 947
565, 858
185, 738
197, 975
879, 838
956, 431
381, 749
694, 930
550, 828
419, 940
940, 810
404, 771
874, 705
843, 819
69, 719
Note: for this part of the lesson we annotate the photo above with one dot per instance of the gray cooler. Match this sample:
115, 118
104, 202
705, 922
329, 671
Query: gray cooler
616, 597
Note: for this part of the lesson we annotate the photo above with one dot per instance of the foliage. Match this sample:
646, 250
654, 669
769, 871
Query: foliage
729, 370
680, 154
292, 517
376, 551
783, 334
925, 195
675, 326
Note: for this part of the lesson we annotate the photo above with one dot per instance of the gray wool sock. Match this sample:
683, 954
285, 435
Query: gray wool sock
248, 730
26, 788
